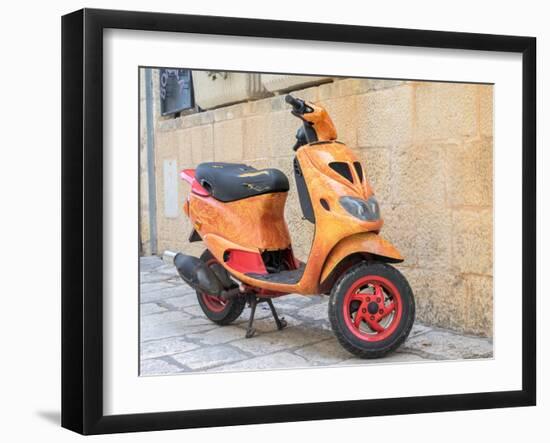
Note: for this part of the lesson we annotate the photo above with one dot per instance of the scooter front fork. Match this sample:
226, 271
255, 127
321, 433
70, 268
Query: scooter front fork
253, 302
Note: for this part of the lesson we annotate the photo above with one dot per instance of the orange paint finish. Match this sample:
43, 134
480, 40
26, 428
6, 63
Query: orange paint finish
255, 222
334, 224
324, 127
366, 242
321, 155
218, 245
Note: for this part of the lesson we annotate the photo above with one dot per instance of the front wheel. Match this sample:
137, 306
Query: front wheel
371, 309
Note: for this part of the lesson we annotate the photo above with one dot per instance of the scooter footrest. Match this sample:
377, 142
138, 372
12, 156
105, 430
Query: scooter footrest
285, 277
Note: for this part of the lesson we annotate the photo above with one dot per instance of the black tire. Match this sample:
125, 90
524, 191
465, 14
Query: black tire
349, 339
231, 310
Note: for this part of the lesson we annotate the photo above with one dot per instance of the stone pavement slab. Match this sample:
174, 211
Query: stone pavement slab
209, 356
163, 291
289, 338
148, 264
326, 352
151, 308
443, 345
180, 302
176, 337
397, 357
161, 318
217, 336
158, 367
173, 329
165, 347
277, 360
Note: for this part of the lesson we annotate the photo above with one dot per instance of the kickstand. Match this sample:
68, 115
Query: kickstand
281, 322
253, 300
249, 329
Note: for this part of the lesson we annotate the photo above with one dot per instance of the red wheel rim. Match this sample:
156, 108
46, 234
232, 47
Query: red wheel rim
213, 303
372, 308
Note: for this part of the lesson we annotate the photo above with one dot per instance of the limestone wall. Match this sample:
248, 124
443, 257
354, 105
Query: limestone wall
427, 149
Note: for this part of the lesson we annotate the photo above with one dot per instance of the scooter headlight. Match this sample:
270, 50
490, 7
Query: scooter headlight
366, 210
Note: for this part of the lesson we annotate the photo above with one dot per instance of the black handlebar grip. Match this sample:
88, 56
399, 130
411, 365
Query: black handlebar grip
293, 101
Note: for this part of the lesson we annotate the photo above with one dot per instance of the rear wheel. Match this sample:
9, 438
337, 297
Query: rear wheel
218, 309
371, 309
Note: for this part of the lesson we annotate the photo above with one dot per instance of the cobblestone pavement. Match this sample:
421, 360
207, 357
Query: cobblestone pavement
176, 337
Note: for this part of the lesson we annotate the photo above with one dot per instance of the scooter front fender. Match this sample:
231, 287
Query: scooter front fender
369, 244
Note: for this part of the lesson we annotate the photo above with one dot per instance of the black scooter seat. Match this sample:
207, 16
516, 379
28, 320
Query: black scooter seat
229, 182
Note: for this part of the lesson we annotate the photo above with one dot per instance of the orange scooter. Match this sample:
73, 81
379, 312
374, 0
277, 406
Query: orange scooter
238, 212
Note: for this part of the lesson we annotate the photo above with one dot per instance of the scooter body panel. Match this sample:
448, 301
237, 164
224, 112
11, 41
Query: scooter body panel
255, 222
326, 186
367, 243
248, 227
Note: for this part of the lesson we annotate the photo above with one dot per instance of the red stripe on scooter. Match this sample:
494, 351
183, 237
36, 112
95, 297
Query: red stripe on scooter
246, 262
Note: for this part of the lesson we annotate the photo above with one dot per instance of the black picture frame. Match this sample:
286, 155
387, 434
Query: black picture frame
82, 220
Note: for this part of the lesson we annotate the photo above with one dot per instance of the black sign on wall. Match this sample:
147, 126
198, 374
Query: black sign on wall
176, 90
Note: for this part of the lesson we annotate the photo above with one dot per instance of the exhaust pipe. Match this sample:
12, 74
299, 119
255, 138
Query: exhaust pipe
211, 280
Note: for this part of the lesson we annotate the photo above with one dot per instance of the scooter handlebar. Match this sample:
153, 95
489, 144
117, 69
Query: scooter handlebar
298, 105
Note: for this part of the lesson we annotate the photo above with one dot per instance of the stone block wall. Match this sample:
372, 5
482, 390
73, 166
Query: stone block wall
427, 149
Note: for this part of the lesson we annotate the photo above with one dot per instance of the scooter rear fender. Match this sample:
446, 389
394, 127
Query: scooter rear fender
369, 244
